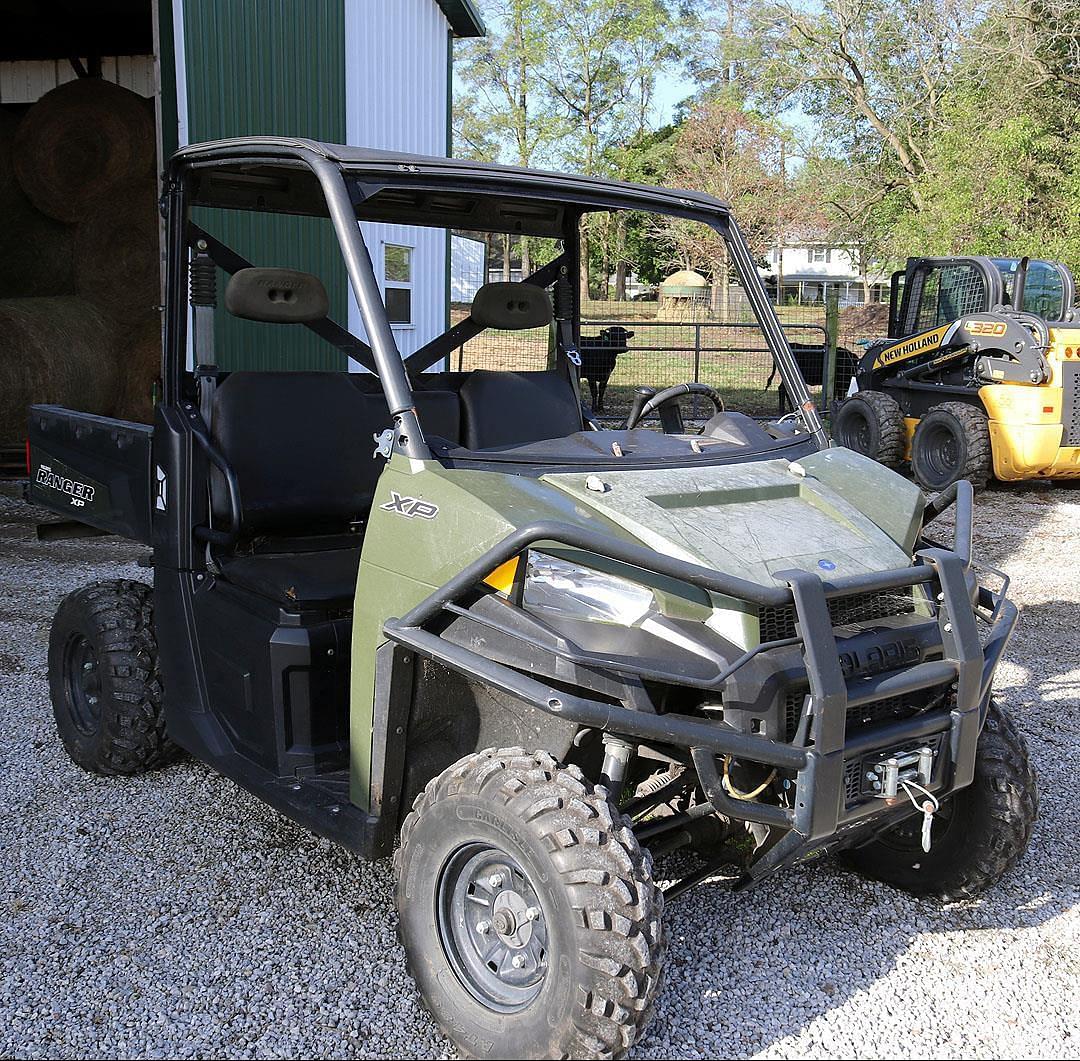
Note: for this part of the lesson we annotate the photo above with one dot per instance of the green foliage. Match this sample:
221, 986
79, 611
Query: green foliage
934, 126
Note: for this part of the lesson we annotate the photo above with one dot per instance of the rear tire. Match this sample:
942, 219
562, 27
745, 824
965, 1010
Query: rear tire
104, 680
952, 442
497, 835
871, 423
984, 829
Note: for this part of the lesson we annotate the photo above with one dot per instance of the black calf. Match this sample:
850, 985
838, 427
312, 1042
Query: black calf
811, 362
598, 354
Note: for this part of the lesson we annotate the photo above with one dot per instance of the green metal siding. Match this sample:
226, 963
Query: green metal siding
270, 67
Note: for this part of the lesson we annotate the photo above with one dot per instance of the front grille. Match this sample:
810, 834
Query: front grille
1070, 409
889, 710
778, 622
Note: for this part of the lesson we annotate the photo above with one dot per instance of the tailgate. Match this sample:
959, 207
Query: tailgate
91, 469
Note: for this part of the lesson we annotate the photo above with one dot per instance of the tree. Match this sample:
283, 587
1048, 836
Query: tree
878, 68
603, 60
736, 156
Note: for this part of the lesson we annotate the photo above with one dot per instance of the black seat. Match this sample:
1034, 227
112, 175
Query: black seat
512, 408
301, 446
318, 578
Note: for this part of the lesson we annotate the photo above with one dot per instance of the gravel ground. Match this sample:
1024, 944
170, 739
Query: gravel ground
175, 916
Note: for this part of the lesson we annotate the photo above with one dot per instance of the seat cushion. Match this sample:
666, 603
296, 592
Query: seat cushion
321, 578
513, 408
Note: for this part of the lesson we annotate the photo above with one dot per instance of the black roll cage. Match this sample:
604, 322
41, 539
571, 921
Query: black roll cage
242, 175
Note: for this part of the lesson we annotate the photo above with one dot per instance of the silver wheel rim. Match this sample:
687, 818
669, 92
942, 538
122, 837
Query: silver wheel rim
492, 927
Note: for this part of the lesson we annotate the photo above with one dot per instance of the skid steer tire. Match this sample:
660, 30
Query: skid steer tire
952, 442
978, 835
528, 912
871, 423
104, 680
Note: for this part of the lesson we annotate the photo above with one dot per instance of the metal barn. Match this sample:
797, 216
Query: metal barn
374, 73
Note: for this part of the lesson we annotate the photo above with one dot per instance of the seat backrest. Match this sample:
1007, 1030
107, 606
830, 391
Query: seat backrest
512, 408
301, 446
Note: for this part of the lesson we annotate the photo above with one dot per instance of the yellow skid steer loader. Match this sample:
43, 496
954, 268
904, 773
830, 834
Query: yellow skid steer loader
979, 375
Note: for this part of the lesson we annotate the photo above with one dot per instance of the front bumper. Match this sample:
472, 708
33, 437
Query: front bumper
821, 761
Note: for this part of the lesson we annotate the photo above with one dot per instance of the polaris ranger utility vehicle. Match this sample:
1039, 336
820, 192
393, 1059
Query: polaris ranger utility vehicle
979, 375
531, 649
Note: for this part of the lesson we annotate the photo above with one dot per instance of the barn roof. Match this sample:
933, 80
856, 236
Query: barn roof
463, 17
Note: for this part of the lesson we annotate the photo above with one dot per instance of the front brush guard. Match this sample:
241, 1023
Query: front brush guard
817, 810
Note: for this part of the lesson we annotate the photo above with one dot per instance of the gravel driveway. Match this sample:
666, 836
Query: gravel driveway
175, 916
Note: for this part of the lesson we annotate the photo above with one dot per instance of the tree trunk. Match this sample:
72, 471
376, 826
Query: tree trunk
506, 256
620, 281
526, 257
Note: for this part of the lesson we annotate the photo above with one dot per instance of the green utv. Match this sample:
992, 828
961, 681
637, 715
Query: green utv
447, 607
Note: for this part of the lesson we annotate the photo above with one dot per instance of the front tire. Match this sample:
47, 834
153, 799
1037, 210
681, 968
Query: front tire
984, 829
528, 912
871, 423
952, 442
104, 679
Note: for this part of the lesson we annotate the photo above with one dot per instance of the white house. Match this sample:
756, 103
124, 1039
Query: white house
808, 266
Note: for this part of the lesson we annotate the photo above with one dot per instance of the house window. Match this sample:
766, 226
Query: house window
819, 255
397, 283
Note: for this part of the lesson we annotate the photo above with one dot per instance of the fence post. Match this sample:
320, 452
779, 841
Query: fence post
828, 368
697, 365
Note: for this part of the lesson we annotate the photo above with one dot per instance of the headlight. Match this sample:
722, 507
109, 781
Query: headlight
557, 587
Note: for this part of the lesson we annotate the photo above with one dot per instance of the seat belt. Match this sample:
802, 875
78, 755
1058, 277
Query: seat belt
564, 323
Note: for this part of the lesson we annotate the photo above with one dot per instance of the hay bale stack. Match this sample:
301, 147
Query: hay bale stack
117, 255
60, 351
36, 256
140, 367
81, 141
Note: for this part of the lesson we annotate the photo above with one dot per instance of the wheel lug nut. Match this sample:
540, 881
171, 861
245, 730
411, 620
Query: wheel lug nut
517, 961
495, 880
483, 927
532, 913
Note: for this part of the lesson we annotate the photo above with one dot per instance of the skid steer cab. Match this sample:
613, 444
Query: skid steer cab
979, 375
430, 601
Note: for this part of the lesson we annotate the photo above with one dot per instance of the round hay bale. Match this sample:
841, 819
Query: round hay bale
79, 142
117, 257
60, 351
9, 185
37, 256
37, 251
139, 367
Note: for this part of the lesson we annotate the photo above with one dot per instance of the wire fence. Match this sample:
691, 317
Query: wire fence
632, 349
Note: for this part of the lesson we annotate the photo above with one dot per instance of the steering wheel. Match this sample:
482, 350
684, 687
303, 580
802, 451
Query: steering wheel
670, 394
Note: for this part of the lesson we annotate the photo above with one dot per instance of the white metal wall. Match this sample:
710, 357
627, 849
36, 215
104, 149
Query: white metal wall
396, 75
28, 81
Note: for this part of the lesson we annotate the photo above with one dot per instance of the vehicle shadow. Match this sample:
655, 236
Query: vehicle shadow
773, 963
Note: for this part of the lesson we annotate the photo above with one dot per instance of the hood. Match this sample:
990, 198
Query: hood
834, 514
